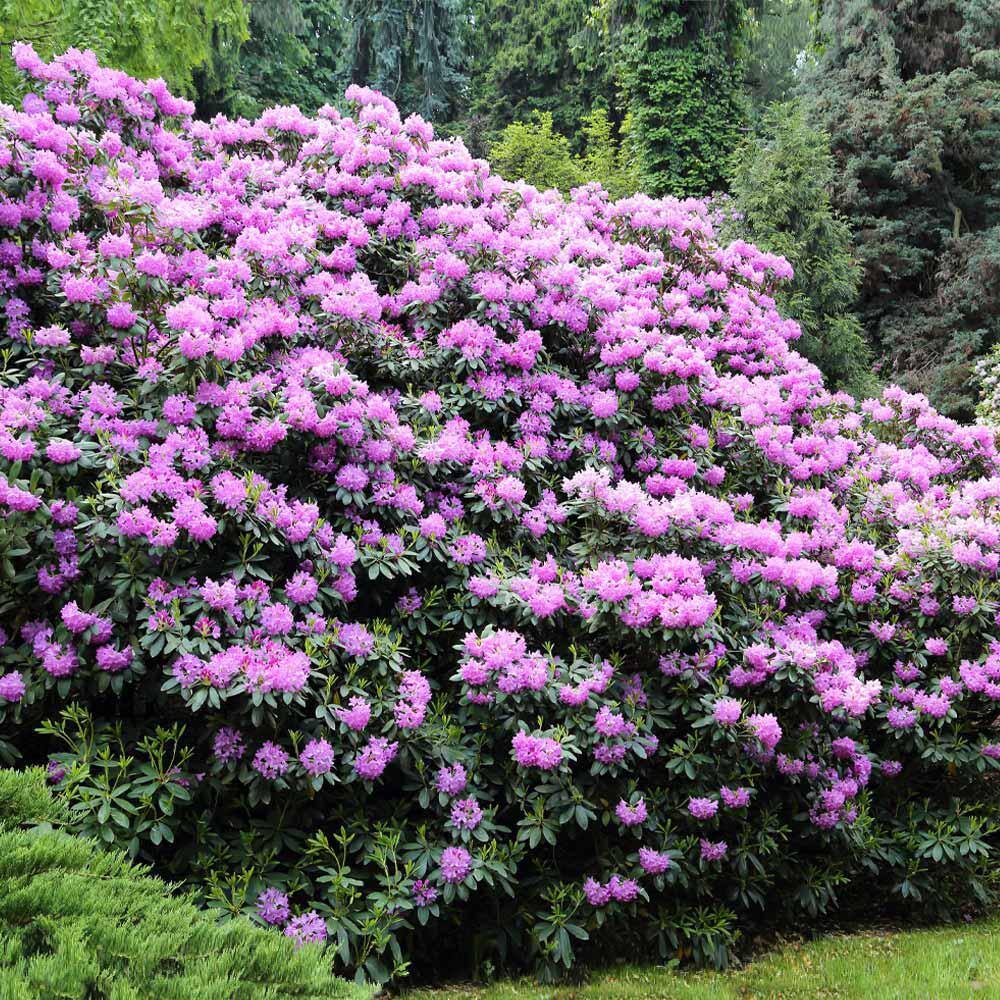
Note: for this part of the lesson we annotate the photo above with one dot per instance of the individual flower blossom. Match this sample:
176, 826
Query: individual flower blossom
75, 620
302, 588
631, 815
883, 631
228, 745
624, 890
270, 761
357, 715
456, 863
277, 619
414, 696
466, 814
410, 602
12, 687
963, 605
356, 640
307, 928
595, 893
713, 850
766, 729
702, 808
62, 452
604, 404
727, 711
317, 757
653, 862
424, 894
929, 606
537, 751
121, 315
374, 757
936, 646
272, 906
934, 705
451, 780
737, 798
113, 660
468, 549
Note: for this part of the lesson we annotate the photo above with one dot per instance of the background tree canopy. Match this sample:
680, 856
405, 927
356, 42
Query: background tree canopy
192, 44
859, 138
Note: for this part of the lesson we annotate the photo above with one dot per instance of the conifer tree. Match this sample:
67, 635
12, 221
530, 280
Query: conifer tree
909, 92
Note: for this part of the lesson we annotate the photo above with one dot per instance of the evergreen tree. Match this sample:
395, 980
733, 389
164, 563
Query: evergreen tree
414, 51
79, 921
535, 152
540, 55
908, 91
296, 54
780, 188
189, 43
682, 68
779, 38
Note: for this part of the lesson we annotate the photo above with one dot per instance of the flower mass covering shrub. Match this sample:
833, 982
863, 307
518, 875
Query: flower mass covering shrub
405, 558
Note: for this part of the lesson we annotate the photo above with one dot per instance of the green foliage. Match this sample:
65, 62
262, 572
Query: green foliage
779, 38
612, 163
25, 799
539, 55
414, 51
534, 151
187, 42
780, 184
296, 54
76, 922
681, 66
909, 91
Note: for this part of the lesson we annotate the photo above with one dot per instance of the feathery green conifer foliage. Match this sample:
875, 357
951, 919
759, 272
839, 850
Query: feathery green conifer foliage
780, 183
682, 69
535, 152
79, 923
909, 91
190, 43
539, 55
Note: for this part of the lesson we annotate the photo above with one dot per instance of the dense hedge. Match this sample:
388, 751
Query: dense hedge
463, 575
79, 923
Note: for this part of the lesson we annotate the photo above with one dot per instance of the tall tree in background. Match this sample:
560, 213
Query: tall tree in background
190, 43
682, 69
296, 54
908, 91
779, 38
780, 188
539, 55
414, 51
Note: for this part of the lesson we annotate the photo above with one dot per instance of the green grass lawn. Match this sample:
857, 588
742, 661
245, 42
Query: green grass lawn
952, 963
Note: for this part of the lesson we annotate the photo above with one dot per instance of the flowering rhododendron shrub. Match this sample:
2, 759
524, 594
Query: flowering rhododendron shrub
421, 563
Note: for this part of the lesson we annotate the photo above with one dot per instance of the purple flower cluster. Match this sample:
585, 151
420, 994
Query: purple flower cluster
621, 890
542, 752
272, 907
456, 863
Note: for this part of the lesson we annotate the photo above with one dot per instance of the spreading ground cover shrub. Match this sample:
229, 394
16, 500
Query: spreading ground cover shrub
420, 562
77, 922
